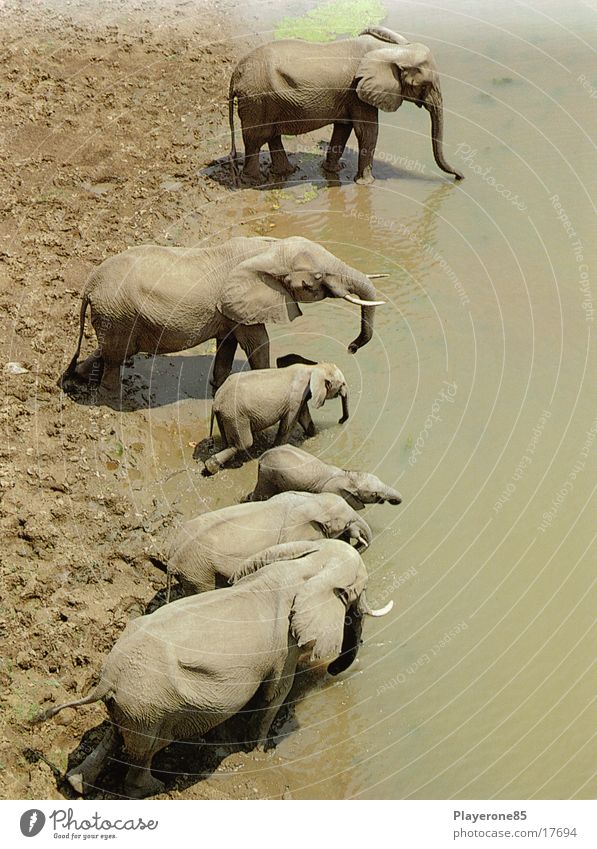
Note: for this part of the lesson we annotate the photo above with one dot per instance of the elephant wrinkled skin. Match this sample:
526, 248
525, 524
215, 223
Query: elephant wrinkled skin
179, 672
160, 300
249, 402
289, 468
210, 548
292, 87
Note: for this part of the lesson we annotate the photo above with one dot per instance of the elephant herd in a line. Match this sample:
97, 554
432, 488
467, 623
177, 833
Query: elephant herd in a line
281, 572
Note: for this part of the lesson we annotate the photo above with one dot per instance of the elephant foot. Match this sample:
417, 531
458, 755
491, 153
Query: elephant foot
365, 179
249, 178
75, 779
332, 167
211, 467
142, 784
285, 170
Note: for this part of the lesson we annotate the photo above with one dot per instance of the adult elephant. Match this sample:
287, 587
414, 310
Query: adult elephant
208, 549
182, 670
164, 299
292, 87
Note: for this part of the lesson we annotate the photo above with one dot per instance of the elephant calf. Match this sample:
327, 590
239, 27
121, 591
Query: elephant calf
179, 672
289, 468
210, 548
249, 402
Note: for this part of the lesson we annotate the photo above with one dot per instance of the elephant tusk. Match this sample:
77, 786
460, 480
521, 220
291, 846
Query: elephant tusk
376, 276
382, 610
354, 300
362, 541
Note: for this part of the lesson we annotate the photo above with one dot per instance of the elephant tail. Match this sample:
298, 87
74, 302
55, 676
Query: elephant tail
233, 154
211, 422
72, 365
163, 567
100, 692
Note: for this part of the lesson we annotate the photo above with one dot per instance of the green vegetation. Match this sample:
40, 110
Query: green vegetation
333, 19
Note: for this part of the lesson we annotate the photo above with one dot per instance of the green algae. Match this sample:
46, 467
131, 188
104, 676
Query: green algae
333, 19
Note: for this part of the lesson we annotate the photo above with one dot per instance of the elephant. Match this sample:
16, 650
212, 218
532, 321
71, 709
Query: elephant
289, 468
291, 87
248, 402
209, 548
164, 299
179, 672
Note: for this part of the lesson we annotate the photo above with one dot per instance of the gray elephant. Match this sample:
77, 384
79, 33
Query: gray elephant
249, 402
181, 671
207, 550
292, 87
289, 468
161, 299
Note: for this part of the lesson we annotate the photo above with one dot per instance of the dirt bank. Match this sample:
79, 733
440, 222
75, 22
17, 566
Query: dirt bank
108, 122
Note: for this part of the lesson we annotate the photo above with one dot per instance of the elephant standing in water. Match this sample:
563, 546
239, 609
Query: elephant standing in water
251, 401
292, 87
161, 299
209, 549
181, 671
289, 468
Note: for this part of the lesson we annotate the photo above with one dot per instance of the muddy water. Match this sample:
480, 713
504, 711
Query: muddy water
474, 399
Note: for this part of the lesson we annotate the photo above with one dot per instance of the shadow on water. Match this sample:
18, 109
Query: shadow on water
155, 381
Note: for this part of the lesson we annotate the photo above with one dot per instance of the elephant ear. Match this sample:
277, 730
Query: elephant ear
318, 387
383, 74
378, 78
350, 492
255, 295
320, 607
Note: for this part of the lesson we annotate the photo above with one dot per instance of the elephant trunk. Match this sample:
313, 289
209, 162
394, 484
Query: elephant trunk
434, 105
351, 640
392, 495
344, 397
357, 289
360, 530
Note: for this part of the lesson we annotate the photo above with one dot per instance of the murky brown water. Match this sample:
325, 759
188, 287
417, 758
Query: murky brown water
479, 684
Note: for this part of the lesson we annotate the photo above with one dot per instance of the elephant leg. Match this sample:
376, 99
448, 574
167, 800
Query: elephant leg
88, 771
225, 350
91, 370
111, 376
239, 437
141, 747
280, 162
253, 140
340, 136
275, 690
254, 341
366, 133
285, 428
222, 429
305, 420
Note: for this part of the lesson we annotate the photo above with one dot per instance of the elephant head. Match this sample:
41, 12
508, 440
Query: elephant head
388, 75
328, 609
360, 488
269, 286
327, 381
337, 520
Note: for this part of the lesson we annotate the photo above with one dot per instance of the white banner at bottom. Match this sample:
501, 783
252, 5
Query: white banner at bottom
289, 824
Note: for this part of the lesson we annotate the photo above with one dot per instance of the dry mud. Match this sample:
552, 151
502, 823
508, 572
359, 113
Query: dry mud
109, 121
